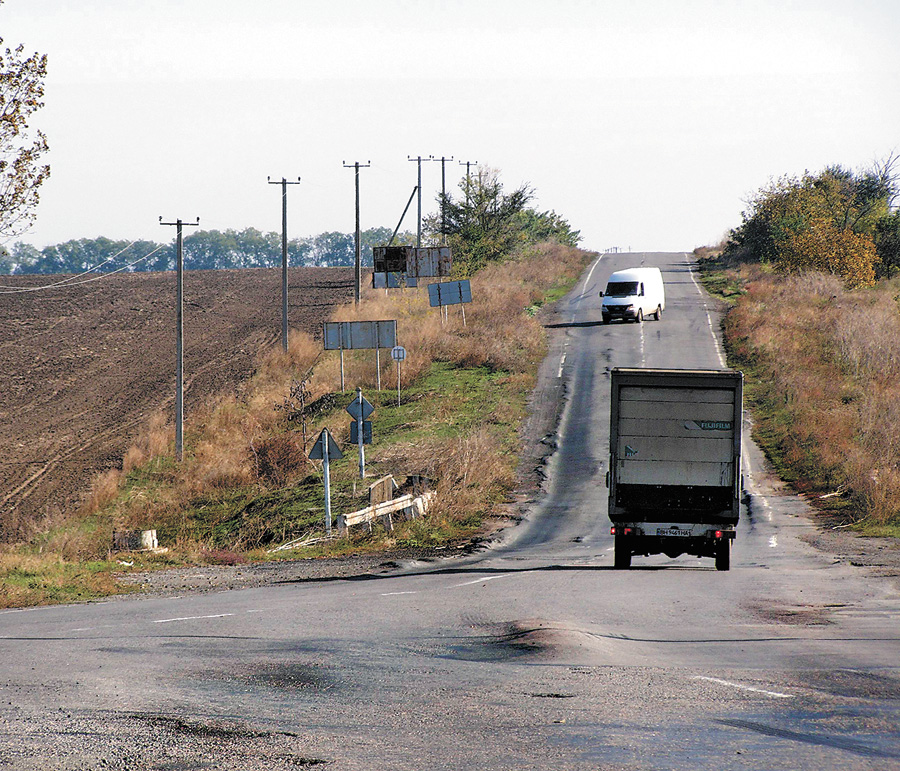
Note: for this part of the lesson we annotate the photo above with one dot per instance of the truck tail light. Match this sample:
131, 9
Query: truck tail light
612, 530
719, 533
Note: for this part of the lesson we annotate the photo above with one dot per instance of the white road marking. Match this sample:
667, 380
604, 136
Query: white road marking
487, 578
773, 542
771, 694
643, 358
190, 618
394, 594
709, 323
587, 280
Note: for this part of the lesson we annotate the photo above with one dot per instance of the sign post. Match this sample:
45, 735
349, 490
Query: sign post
325, 449
359, 410
398, 354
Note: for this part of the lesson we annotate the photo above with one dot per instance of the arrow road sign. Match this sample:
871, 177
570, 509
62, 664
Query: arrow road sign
318, 450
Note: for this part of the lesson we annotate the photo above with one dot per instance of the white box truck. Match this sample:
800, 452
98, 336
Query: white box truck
633, 294
675, 462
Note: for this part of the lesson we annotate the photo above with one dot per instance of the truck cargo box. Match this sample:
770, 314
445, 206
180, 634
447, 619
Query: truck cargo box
675, 452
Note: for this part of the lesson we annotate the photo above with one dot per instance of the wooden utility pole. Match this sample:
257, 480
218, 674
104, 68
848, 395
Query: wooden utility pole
468, 165
443, 160
419, 160
357, 166
284, 259
179, 336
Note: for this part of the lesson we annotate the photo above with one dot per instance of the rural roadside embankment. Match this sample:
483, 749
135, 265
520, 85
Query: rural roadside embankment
246, 483
821, 365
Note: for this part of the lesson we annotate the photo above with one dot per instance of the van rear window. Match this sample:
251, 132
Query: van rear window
622, 288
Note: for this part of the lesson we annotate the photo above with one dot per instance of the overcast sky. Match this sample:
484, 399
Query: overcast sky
646, 123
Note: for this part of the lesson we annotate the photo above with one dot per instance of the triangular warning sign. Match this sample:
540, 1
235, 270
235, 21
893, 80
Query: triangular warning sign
325, 440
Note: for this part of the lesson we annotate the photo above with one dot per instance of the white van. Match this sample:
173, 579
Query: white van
633, 294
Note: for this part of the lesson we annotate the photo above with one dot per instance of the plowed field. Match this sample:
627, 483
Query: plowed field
82, 367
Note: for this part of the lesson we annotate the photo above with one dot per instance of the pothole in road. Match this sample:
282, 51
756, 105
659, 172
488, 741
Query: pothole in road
277, 675
509, 642
795, 615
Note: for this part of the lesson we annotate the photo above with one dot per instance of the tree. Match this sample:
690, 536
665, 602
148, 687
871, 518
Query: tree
21, 170
481, 227
332, 249
887, 242
824, 248
547, 226
830, 221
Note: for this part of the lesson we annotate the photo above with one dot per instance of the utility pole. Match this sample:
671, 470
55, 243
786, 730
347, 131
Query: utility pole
284, 258
443, 160
419, 160
179, 336
468, 165
357, 166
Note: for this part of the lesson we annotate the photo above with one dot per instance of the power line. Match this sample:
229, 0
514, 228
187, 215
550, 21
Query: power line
67, 282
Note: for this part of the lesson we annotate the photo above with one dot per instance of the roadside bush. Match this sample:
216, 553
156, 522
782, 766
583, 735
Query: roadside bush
279, 457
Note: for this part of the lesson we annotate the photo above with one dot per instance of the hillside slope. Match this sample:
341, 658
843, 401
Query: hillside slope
82, 367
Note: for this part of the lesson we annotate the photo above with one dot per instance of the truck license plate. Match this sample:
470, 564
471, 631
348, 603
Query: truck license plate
673, 531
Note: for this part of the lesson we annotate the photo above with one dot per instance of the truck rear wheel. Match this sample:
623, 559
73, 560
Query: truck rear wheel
622, 559
723, 554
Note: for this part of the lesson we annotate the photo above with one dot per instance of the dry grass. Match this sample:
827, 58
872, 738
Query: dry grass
825, 364
240, 442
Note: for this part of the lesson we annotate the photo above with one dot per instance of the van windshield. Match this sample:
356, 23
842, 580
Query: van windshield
621, 288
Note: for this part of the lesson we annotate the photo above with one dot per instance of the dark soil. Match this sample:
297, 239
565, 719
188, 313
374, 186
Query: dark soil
83, 367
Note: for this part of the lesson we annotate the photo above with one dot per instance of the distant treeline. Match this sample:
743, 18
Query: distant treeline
203, 249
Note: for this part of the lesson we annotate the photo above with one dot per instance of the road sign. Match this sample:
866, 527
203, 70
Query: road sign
450, 293
326, 450
392, 281
318, 450
346, 335
360, 409
430, 262
367, 432
398, 353
391, 259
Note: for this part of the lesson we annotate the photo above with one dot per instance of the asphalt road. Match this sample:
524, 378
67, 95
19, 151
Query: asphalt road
534, 654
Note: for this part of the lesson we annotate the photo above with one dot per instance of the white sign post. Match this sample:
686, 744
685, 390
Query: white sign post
398, 354
359, 410
325, 449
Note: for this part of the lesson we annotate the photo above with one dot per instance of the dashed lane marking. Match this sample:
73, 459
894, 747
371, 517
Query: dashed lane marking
190, 618
741, 687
